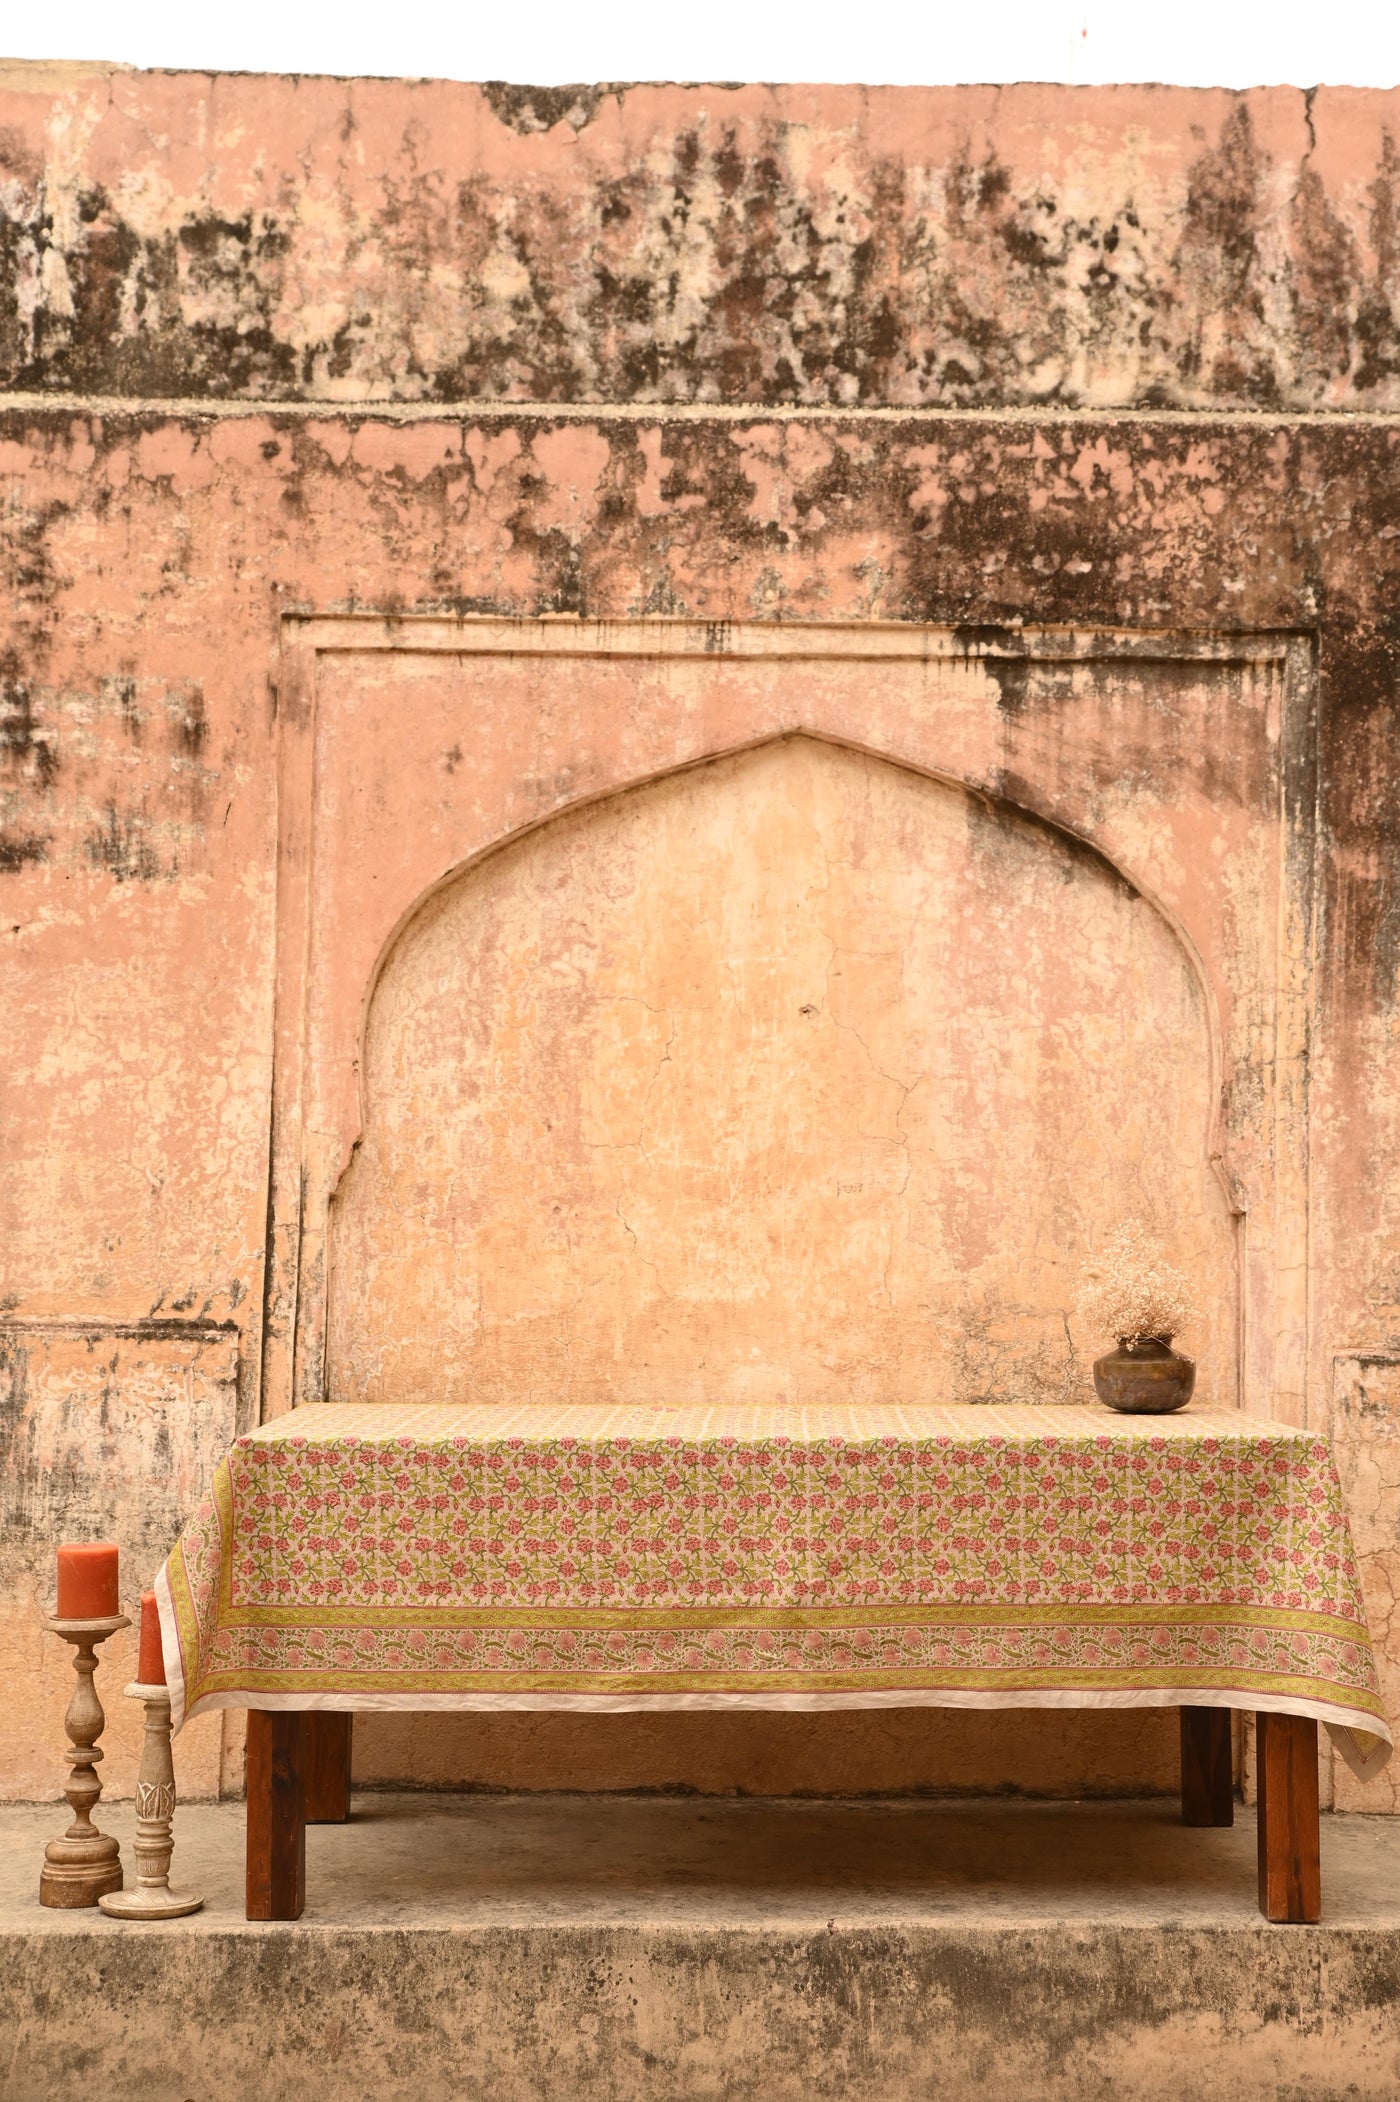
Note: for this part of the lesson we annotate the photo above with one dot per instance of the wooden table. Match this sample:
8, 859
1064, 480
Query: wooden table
596, 1558
298, 1774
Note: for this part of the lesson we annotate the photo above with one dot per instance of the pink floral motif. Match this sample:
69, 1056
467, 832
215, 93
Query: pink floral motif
420, 1550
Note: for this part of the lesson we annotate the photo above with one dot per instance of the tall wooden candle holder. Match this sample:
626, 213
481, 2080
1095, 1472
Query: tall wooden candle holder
84, 1864
152, 1898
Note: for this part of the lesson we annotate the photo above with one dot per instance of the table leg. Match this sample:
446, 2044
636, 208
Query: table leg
276, 1888
1207, 1767
327, 1767
1290, 1867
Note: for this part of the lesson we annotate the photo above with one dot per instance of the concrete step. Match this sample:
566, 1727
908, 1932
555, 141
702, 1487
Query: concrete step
639, 1949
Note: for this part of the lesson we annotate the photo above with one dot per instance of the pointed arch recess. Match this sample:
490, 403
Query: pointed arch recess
899, 1188
309, 1152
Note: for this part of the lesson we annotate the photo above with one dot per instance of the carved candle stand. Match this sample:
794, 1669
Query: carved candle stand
84, 1863
152, 1898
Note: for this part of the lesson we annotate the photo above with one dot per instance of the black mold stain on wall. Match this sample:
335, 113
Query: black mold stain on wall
723, 268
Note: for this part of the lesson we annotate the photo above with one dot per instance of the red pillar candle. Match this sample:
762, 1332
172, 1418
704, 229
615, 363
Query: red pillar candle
150, 1667
87, 1582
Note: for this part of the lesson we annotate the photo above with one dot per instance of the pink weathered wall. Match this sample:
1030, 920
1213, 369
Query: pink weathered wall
243, 237
1120, 361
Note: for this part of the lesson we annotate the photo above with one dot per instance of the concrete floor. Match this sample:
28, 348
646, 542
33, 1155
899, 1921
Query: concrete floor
621, 1947
461, 1861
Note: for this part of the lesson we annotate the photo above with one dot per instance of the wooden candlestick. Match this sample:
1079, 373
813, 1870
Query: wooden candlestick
152, 1898
84, 1863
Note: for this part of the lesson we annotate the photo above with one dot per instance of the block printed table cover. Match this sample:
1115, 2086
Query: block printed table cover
597, 1557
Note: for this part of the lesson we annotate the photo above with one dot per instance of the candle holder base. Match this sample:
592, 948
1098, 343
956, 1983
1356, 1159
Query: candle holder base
140, 1904
84, 1865
80, 1872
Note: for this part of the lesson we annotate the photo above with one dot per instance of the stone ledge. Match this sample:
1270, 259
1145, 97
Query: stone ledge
620, 1948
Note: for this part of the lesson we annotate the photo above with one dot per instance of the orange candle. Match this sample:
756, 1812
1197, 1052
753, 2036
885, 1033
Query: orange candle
150, 1667
87, 1582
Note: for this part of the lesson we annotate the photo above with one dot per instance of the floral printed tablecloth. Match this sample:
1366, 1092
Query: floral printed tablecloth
596, 1557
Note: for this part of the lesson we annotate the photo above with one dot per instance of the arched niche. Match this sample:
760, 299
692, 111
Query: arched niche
417, 746
794, 1076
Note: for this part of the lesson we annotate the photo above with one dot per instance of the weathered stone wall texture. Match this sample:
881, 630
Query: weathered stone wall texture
354, 240
1090, 363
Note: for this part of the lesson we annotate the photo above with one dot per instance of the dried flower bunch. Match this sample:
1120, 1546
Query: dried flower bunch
1131, 1290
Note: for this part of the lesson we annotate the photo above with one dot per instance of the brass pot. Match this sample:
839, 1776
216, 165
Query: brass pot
1145, 1377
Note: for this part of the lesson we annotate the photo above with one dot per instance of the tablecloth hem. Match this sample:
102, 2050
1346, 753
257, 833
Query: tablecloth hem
1361, 1738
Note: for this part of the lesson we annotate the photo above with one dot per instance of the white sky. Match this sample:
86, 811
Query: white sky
1192, 42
